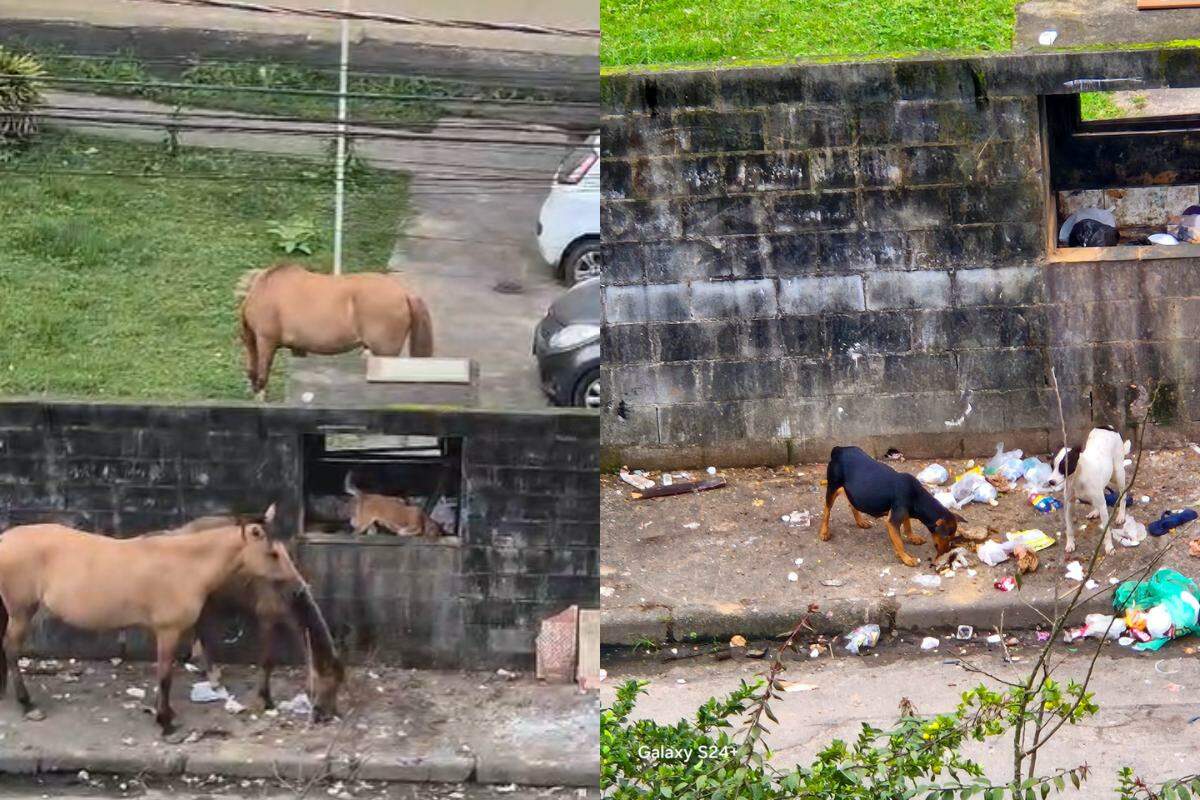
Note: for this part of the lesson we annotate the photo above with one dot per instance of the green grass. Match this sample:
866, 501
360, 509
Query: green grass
1103, 105
658, 32
419, 112
123, 288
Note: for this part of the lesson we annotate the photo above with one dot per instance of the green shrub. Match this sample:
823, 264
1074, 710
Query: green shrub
19, 96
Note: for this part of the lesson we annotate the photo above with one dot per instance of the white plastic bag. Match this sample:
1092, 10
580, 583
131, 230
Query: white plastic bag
1001, 458
993, 553
933, 475
946, 499
965, 488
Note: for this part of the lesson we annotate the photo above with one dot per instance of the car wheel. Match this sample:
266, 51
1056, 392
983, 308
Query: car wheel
587, 391
582, 261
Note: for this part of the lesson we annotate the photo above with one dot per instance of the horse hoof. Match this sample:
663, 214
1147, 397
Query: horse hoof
35, 715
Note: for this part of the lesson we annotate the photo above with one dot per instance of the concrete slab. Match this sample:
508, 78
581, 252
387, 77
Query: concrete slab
1095, 22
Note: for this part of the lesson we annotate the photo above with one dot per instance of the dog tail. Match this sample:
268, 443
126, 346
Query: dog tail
350, 487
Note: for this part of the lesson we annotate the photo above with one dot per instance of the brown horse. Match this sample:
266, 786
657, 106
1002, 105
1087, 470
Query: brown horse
272, 610
311, 312
94, 582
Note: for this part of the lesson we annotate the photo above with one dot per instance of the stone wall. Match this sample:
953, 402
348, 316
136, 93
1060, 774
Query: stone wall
527, 544
812, 255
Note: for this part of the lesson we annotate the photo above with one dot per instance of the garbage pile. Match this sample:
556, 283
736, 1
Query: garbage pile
1097, 227
1000, 475
1148, 613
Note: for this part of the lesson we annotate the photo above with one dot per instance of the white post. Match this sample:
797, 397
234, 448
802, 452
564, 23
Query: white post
339, 192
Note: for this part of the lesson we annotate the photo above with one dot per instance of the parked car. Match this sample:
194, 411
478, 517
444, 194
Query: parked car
568, 229
567, 345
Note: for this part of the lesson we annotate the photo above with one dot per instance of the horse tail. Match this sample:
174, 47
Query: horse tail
420, 343
3, 653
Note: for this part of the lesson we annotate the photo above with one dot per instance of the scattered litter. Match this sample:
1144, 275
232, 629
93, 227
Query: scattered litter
737, 641
933, 475
607, 591
1091, 584
1043, 636
757, 652
711, 470
1044, 502
797, 519
1096, 626
973, 487
1194, 548
953, 559
793, 577
1158, 609
1027, 560
691, 526
975, 533
1170, 520
233, 706
864, 637
928, 581
508, 674
893, 454
1158, 667
635, 480
834, 582
299, 705
995, 638
667, 480
1006, 584
671, 488
136, 693
930, 643
1074, 571
1125, 641
205, 692
964, 632
790, 686
798, 561
1047, 38
971, 573
1132, 533
1032, 538
1165, 239
946, 499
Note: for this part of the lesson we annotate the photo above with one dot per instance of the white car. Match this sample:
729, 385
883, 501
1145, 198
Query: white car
569, 223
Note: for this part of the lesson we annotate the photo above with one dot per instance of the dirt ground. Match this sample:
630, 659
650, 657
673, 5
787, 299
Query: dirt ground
98, 708
727, 549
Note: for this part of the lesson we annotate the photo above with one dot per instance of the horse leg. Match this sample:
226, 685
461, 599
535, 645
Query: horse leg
266, 663
168, 641
14, 638
250, 343
204, 661
265, 349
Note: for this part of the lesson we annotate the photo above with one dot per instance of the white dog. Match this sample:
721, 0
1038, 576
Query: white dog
1100, 464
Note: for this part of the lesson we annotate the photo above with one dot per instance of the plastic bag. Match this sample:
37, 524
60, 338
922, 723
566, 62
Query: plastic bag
946, 499
864, 637
1038, 475
933, 475
992, 553
1000, 459
1176, 595
965, 487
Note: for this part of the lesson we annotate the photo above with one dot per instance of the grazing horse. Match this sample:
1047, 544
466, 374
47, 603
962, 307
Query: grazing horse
272, 610
311, 312
95, 583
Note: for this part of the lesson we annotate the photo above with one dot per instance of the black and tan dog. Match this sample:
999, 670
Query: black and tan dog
876, 489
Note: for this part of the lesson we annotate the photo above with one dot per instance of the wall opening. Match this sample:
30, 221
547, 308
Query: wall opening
418, 477
1124, 174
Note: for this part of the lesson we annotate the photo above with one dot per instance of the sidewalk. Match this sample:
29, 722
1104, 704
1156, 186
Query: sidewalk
728, 572
397, 726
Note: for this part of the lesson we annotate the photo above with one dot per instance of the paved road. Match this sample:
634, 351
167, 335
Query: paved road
1148, 717
466, 237
575, 14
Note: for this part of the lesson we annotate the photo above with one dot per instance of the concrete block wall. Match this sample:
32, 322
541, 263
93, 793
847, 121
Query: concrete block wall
527, 544
811, 255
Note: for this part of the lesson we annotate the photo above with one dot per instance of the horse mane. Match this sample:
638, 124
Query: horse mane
252, 277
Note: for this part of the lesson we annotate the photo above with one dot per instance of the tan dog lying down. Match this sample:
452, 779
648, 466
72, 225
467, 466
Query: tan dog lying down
392, 514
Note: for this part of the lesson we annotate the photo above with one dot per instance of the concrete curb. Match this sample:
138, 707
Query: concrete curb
498, 767
627, 627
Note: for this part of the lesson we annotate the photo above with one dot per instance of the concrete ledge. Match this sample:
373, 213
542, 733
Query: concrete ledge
441, 768
526, 768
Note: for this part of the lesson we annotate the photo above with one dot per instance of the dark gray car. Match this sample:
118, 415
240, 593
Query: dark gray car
567, 345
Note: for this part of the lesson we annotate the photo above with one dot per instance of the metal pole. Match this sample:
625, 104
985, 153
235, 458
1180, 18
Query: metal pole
339, 195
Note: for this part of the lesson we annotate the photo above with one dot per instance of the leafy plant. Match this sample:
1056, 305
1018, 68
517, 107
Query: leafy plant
297, 235
721, 753
19, 96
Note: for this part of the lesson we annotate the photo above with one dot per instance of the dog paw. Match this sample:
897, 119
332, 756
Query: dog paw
1070, 548
909, 561
825, 535
915, 539
864, 524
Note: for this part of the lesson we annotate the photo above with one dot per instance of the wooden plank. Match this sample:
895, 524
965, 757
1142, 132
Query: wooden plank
1162, 5
683, 487
588, 672
386, 369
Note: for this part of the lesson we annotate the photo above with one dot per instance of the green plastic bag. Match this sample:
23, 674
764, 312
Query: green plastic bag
1166, 588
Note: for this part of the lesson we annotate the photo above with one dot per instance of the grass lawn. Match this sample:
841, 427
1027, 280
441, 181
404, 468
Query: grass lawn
649, 32
120, 287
